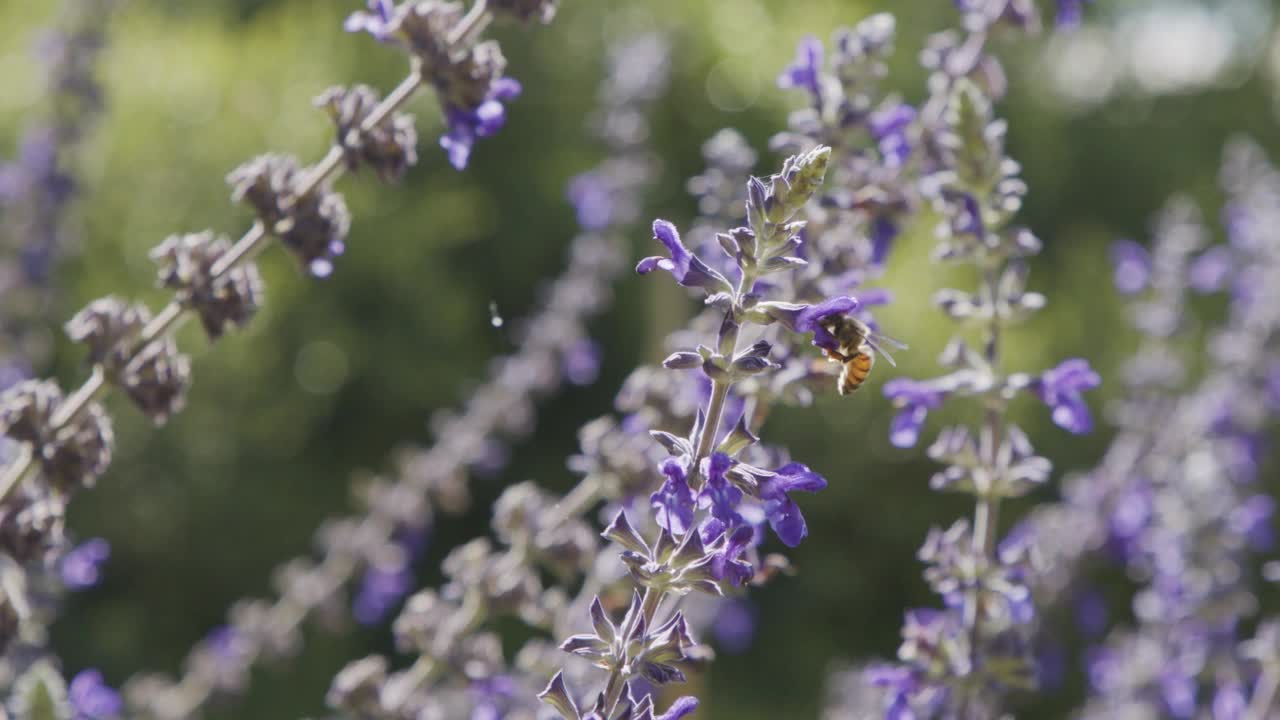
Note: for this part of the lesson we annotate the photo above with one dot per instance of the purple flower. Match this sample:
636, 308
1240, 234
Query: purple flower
1132, 266
81, 568
491, 694
681, 707
1210, 272
1229, 702
581, 362
1091, 612
380, 590
1070, 12
593, 200
673, 502
1060, 389
727, 565
889, 127
1252, 521
883, 232
735, 625
465, 124
375, 22
719, 495
1179, 692
914, 400
806, 71
688, 269
808, 318
91, 698
783, 513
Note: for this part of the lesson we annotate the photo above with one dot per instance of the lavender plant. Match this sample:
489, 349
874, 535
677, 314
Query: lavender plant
702, 509
959, 661
1178, 503
67, 439
381, 544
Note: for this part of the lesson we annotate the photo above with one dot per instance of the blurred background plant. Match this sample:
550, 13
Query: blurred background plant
1107, 118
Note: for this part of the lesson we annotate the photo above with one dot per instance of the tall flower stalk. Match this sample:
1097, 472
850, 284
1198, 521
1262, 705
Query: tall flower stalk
1178, 503
960, 660
702, 509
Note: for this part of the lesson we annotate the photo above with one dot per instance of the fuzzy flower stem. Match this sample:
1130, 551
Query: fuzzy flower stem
475, 21
616, 683
986, 511
252, 242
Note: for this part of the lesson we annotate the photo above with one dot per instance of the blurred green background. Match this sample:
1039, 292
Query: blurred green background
333, 374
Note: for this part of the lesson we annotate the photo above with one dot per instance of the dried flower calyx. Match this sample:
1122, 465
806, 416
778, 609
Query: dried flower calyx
186, 266
313, 224
155, 377
76, 453
468, 78
389, 147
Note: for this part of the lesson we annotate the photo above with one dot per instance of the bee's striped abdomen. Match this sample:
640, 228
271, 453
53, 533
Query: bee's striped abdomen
856, 370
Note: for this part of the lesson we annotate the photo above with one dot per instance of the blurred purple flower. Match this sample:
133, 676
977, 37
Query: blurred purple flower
581, 362
381, 590
914, 400
592, 199
1211, 271
806, 71
91, 698
1060, 389
883, 232
889, 127
375, 22
1070, 12
466, 125
81, 568
1132, 265
735, 625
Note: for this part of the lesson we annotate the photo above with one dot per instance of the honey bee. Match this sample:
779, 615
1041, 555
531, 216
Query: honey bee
857, 351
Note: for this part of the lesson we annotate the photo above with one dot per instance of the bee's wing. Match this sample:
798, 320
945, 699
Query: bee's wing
878, 343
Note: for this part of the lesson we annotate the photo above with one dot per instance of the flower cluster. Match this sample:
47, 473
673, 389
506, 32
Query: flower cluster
1178, 503
468, 76
962, 658
710, 509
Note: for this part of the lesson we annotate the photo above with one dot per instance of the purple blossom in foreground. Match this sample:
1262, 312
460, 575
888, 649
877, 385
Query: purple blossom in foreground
673, 503
91, 698
81, 568
1060, 388
688, 269
783, 513
808, 319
